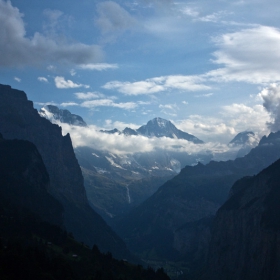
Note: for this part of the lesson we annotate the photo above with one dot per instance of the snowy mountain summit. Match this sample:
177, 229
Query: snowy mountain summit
245, 141
245, 138
159, 127
54, 114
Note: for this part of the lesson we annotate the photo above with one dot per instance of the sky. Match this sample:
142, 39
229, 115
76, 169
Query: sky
212, 68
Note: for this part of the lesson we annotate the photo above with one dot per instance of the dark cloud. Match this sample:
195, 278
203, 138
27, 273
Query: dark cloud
18, 50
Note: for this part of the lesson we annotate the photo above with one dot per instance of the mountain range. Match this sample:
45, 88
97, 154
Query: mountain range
215, 220
117, 178
158, 127
120, 179
173, 213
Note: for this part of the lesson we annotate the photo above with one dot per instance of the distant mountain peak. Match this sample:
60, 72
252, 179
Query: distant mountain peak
244, 138
54, 114
159, 127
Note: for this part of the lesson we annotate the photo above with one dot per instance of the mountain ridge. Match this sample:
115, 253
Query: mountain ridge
195, 193
18, 119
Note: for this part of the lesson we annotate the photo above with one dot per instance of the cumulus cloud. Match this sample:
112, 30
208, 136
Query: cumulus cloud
61, 83
250, 55
98, 66
113, 18
43, 79
19, 50
231, 120
108, 103
271, 103
159, 84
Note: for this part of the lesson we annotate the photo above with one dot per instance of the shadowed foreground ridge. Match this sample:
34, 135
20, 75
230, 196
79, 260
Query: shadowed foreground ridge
32, 244
19, 120
246, 235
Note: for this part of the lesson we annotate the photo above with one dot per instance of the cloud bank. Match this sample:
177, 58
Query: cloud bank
122, 145
159, 84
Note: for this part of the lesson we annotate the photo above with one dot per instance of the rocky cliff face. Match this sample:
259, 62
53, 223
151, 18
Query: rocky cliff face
246, 232
18, 119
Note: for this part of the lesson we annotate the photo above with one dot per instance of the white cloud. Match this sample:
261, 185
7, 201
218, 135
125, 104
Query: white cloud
169, 106
189, 11
108, 103
89, 95
98, 66
43, 79
109, 124
204, 95
120, 144
67, 104
250, 55
19, 50
215, 17
229, 121
17, 79
271, 103
61, 83
159, 84
73, 72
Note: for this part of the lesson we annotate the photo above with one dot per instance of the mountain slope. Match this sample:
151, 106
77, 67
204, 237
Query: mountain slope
245, 240
24, 180
245, 141
31, 239
18, 119
55, 114
197, 192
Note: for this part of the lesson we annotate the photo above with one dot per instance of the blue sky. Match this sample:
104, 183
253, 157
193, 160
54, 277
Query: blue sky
212, 68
